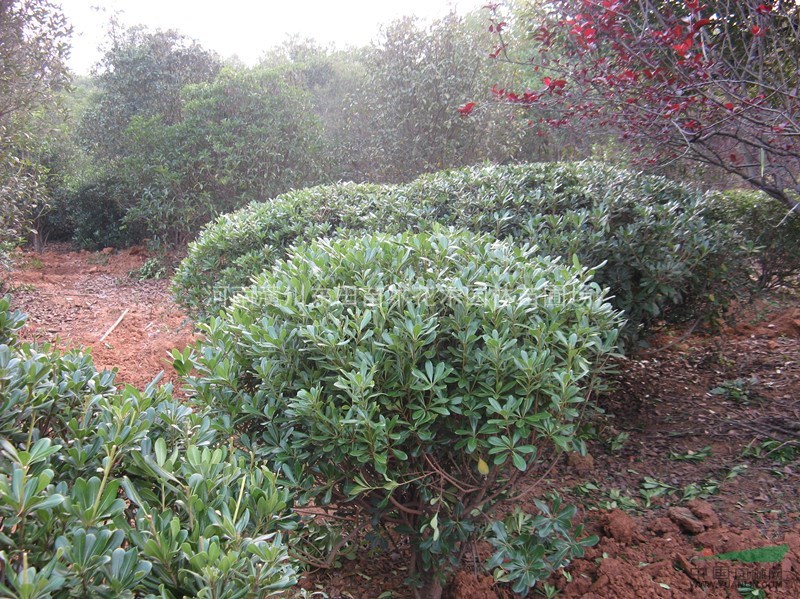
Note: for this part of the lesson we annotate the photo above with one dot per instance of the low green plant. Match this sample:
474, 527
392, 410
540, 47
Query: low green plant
782, 452
740, 390
108, 492
414, 378
651, 488
691, 455
747, 592
702, 490
610, 499
617, 442
153, 268
617, 499
528, 548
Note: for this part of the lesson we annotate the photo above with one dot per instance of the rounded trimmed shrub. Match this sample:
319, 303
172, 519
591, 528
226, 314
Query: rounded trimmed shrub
649, 237
416, 378
766, 225
235, 247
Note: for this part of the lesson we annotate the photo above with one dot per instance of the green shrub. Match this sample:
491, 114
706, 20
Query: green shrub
122, 493
763, 223
528, 549
649, 237
236, 247
415, 378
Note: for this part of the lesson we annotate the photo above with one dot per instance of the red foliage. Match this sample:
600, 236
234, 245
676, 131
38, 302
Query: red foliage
466, 109
702, 80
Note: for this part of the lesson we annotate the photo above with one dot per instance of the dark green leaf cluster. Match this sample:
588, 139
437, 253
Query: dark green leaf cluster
528, 549
648, 237
122, 493
95, 215
416, 377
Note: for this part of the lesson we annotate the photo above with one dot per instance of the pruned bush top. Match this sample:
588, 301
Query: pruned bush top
649, 237
417, 376
238, 246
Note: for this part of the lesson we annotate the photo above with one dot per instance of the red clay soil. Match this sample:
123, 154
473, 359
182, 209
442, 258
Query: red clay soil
73, 298
712, 425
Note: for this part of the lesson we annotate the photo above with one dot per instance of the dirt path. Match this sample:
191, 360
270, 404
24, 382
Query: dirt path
74, 298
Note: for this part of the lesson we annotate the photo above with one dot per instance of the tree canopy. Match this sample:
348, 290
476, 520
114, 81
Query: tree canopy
142, 74
713, 82
34, 44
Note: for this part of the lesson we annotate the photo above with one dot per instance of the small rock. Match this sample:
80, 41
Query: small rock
581, 464
684, 518
107, 251
704, 512
620, 526
601, 582
663, 527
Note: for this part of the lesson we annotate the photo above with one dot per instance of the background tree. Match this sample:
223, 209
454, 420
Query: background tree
246, 136
714, 83
418, 77
33, 47
141, 75
329, 79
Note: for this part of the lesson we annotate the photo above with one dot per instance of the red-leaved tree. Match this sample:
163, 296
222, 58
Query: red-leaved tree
710, 81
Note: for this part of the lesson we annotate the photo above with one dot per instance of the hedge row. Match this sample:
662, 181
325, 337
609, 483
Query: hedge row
764, 224
648, 237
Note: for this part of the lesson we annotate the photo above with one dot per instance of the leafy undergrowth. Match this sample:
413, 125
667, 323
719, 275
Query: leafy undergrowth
680, 428
667, 440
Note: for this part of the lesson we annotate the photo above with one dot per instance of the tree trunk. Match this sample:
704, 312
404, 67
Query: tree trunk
431, 587
429, 580
38, 242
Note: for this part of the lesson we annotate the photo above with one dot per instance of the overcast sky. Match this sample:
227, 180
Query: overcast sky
246, 28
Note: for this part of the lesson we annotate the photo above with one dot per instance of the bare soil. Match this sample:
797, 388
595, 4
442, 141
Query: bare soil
73, 298
710, 463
